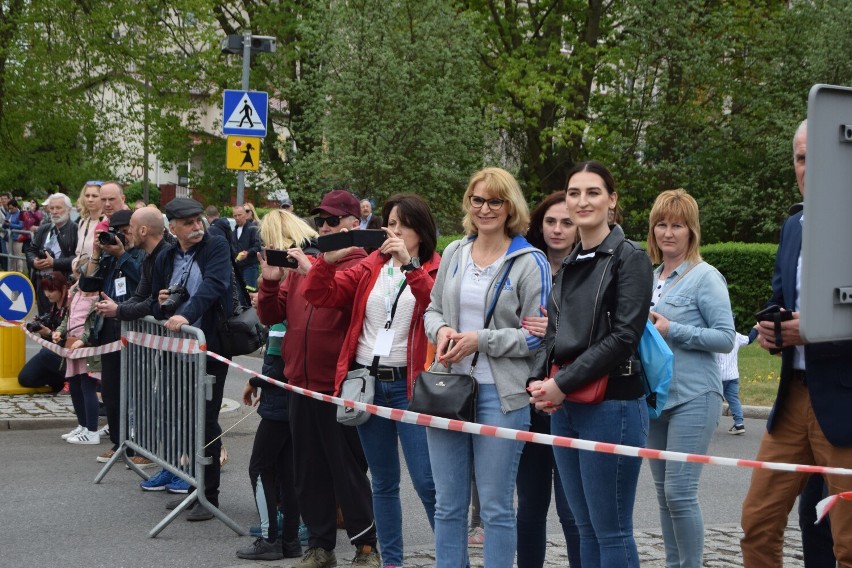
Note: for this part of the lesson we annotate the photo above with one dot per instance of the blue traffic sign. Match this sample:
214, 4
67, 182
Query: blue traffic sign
244, 113
17, 296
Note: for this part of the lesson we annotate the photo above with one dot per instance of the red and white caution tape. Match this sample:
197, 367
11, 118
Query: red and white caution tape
79, 353
162, 343
193, 347
824, 506
547, 439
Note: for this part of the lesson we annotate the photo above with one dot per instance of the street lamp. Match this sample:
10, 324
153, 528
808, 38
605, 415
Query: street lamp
248, 44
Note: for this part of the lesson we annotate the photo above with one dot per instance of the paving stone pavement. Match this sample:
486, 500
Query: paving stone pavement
34, 410
721, 546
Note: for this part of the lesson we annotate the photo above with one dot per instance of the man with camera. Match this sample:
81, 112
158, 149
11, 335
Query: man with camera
53, 245
191, 285
146, 230
115, 259
330, 467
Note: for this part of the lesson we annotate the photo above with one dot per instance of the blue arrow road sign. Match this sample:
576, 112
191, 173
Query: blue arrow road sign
16, 296
244, 113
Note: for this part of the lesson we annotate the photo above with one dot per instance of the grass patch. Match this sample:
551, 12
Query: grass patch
759, 375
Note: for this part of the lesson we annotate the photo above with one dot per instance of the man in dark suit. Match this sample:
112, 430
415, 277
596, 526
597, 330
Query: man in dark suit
247, 241
809, 423
368, 220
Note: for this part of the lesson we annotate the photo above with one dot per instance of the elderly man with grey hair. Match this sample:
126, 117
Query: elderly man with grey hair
53, 245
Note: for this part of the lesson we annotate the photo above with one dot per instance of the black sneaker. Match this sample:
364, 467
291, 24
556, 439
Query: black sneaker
199, 514
260, 549
737, 429
292, 549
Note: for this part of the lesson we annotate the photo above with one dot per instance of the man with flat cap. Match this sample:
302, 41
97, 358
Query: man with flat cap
200, 265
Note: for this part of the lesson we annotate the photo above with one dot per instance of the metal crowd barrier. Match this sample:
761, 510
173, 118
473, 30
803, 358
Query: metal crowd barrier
164, 385
14, 262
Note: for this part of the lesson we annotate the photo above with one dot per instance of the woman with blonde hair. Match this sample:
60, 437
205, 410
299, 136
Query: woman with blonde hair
271, 462
89, 206
492, 271
691, 310
281, 229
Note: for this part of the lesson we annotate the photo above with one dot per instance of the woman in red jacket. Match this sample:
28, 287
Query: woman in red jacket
388, 292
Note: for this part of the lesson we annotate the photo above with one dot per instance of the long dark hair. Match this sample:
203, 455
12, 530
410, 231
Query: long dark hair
595, 167
535, 236
414, 212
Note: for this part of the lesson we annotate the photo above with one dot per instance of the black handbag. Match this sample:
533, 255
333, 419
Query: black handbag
242, 333
451, 395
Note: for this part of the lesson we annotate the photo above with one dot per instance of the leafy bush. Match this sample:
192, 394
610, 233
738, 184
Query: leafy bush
748, 269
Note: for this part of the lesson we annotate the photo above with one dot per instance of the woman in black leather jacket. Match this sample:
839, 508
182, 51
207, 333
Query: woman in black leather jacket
596, 315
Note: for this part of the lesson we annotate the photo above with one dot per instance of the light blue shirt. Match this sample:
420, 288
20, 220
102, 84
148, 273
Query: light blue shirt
701, 324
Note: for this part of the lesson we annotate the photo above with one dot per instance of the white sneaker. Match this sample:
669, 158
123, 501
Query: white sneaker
104, 431
85, 437
73, 432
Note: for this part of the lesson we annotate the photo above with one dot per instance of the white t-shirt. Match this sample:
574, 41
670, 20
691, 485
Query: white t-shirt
379, 305
472, 310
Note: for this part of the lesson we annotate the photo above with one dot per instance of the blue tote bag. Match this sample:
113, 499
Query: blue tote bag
657, 366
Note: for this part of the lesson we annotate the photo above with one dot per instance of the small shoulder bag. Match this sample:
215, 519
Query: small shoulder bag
447, 394
360, 384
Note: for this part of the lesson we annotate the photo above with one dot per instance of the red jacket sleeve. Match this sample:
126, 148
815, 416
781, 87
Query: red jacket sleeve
272, 300
328, 287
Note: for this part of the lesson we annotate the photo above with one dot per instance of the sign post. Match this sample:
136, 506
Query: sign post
17, 298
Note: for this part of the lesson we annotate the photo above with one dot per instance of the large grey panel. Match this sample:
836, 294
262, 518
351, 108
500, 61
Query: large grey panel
826, 297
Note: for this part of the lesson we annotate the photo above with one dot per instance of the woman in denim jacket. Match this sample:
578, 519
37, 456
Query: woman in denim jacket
691, 310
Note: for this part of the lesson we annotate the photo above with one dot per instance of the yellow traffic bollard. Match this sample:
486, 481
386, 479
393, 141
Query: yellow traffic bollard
17, 298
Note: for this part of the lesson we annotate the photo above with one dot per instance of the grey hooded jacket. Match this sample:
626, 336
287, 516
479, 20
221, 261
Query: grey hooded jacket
510, 348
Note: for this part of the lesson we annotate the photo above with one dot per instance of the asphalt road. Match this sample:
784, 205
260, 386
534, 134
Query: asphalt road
53, 515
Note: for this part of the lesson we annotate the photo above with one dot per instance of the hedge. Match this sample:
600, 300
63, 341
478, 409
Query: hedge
746, 266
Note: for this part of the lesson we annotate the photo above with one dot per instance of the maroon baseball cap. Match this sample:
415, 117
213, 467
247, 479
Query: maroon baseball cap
339, 202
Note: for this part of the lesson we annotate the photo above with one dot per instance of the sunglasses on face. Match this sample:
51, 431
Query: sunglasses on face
332, 221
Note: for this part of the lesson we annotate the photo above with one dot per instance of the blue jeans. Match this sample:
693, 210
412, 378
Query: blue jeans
731, 390
601, 488
250, 274
496, 464
538, 478
379, 440
687, 428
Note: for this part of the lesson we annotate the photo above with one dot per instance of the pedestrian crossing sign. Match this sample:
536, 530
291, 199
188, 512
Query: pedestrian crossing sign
243, 153
244, 113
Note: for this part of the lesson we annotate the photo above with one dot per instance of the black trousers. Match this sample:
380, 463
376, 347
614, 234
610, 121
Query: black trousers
111, 394
329, 469
43, 370
817, 542
271, 473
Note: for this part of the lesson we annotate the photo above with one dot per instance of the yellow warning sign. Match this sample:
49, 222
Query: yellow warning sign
243, 153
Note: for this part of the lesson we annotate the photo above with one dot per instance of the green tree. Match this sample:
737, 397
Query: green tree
398, 104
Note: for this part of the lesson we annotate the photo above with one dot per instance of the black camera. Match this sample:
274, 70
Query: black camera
178, 294
42, 254
111, 237
281, 258
35, 325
